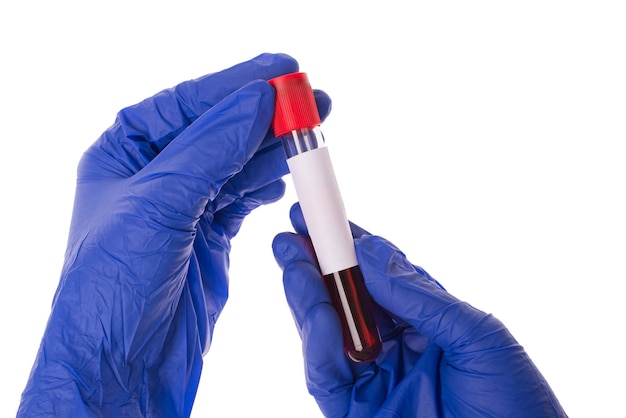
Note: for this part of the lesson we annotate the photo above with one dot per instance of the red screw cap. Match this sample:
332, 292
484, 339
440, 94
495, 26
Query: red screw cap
295, 106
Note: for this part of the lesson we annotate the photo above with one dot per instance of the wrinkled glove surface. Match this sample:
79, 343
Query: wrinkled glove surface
441, 357
159, 196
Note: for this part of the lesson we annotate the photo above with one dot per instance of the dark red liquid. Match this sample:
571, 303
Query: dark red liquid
361, 338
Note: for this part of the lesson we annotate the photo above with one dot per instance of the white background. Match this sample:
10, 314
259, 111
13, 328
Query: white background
485, 139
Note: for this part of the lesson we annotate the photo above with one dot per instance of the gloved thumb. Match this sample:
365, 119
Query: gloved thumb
408, 292
191, 170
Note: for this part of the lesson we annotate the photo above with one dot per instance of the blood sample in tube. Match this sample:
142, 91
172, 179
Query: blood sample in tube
297, 124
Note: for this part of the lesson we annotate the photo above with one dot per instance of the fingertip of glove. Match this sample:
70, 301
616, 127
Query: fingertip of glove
324, 103
280, 248
276, 63
286, 248
274, 191
297, 219
288, 61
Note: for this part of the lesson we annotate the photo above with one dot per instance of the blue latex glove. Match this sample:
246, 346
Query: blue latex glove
441, 357
159, 196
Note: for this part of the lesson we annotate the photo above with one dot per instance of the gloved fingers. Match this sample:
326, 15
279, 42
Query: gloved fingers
267, 165
264, 168
294, 254
183, 104
185, 176
328, 373
289, 247
484, 370
231, 217
141, 131
408, 292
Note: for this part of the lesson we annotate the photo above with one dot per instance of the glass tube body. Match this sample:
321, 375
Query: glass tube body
324, 214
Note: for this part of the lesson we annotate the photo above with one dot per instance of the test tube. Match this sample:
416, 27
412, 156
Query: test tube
297, 123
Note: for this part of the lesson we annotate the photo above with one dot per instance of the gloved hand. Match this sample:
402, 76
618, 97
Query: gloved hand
441, 357
159, 196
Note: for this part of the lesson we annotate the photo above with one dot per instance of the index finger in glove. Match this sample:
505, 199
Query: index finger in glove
184, 177
143, 130
410, 293
329, 377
